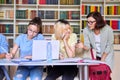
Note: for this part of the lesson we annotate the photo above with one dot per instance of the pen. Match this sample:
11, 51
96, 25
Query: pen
4, 50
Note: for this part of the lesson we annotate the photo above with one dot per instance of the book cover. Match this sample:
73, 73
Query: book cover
63, 14
41, 14
119, 24
114, 24
118, 10
83, 9
42, 1
49, 15
75, 15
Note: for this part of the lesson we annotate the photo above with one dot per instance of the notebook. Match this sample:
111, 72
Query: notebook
39, 49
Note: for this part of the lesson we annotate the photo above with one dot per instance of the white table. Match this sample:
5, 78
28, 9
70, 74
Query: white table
83, 67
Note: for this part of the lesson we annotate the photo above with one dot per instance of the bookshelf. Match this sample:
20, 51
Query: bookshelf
15, 15
110, 10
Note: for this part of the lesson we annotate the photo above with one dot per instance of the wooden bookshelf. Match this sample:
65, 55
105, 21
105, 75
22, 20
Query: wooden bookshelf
15, 14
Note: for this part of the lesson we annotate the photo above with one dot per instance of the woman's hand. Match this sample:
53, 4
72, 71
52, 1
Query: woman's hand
66, 36
28, 57
61, 56
9, 56
79, 45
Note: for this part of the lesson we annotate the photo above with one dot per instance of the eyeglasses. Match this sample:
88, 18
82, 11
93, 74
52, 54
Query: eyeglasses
30, 30
90, 22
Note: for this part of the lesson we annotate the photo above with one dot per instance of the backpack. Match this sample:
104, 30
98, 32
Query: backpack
99, 72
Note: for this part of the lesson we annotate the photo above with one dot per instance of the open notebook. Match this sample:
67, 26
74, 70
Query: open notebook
39, 49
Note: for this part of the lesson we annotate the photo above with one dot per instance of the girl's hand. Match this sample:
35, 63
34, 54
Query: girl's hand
79, 45
9, 56
61, 56
66, 36
28, 57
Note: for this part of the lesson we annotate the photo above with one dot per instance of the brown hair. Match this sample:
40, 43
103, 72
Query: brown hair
100, 23
36, 21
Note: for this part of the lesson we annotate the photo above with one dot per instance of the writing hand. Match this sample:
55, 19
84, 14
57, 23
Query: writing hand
9, 56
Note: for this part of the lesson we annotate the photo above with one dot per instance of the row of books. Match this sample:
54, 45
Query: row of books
48, 2
90, 8
62, 2
112, 10
21, 28
115, 24
111, 0
69, 2
6, 1
26, 1
6, 14
93, 0
69, 15
46, 29
116, 38
6, 28
99, 0
25, 14
29, 14
48, 14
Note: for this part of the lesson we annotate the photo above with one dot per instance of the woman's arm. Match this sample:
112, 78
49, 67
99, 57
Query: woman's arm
70, 50
13, 52
109, 44
70, 47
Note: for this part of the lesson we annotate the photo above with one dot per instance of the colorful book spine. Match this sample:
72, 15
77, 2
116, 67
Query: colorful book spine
115, 24
119, 25
42, 1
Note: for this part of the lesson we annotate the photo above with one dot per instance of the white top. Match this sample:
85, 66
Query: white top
97, 43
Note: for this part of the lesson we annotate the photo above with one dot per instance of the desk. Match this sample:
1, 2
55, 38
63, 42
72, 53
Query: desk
81, 66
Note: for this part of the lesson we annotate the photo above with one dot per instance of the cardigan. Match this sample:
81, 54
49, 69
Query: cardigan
106, 42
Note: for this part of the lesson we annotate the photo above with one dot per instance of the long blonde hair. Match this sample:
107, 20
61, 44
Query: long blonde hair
59, 27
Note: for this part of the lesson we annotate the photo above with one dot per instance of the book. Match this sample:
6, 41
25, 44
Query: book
114, 24
63, 14
75, 15
41, 14
119, 24
116, 39
42, 1
50, 15
76, 29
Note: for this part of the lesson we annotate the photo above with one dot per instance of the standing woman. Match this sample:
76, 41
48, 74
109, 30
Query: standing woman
63, 33
99, 36
24, 43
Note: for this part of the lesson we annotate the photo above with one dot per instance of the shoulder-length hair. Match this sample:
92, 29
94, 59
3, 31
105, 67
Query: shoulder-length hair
100, 23
59, 27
